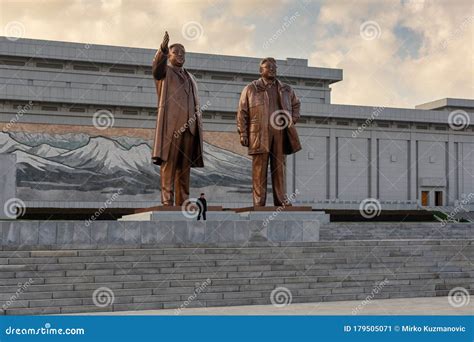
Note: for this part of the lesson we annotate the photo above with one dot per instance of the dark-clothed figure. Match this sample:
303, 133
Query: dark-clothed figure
178, 136
202, 207
268, 111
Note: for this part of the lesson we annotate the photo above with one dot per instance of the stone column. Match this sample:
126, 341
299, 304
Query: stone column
7, 183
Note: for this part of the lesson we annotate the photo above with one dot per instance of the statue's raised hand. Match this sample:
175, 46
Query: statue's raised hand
164, 44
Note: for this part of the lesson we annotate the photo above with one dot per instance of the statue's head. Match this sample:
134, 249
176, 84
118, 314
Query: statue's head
268, 68
177, 55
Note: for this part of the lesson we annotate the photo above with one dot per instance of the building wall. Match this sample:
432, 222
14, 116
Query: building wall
51, 90
393, 168
384, 163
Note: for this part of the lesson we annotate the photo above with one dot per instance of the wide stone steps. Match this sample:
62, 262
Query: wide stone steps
63, 281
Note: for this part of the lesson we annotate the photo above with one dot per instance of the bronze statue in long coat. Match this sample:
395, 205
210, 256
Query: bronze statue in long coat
178, 142
266, 117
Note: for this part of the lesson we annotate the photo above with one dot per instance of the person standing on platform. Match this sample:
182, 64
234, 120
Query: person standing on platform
202, 207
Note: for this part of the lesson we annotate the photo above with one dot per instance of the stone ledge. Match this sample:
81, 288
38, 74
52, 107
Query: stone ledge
123, 233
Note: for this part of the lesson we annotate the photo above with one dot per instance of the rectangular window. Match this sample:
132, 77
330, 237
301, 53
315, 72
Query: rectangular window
130, 112
122, 70
49, 65
12, 62
85, 67
49, 108
222, 78
77, 110
425, 198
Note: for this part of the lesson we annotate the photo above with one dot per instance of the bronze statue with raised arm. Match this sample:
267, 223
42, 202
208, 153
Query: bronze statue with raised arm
268, 111
178, 136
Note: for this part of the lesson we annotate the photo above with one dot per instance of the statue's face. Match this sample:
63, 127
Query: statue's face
177, 56
268, 70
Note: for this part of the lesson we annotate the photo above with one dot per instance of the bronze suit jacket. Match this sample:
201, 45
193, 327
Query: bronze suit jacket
253, 117
170, 117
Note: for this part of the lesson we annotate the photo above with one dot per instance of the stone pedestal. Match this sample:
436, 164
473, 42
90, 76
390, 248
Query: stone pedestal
265, 224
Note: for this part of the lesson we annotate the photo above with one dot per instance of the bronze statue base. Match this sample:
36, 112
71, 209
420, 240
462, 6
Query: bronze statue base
173, 208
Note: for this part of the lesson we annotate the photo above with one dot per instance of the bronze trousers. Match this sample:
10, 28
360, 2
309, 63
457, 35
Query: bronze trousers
176, 171
277, 168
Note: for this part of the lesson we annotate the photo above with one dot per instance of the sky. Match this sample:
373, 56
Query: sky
393, 53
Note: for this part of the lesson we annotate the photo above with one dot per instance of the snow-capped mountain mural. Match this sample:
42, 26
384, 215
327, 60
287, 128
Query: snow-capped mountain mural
80, 167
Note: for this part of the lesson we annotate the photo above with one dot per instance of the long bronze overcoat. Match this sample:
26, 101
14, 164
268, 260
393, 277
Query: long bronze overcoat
253, 117
166, 118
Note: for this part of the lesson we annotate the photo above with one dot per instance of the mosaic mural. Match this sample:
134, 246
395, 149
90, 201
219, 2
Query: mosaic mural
80, 166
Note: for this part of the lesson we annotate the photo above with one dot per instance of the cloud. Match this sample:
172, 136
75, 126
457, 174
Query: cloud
422, 50
132, 23
378, 71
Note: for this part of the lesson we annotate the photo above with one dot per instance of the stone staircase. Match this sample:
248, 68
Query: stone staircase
38, 280
395, 230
